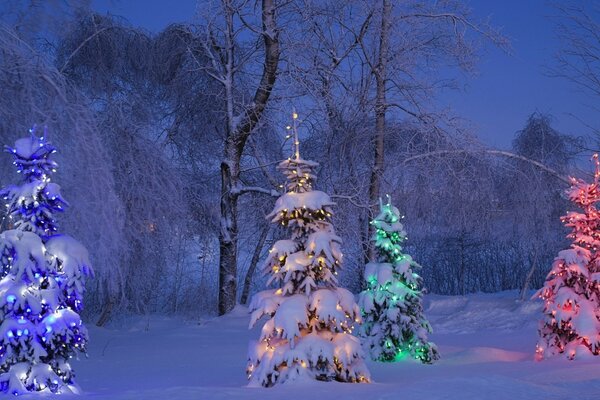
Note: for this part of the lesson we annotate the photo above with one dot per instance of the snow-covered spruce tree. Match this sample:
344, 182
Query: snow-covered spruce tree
571, 293
41, 282
308, 334
394, 324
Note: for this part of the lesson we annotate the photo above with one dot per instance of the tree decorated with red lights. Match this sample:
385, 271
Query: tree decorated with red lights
308, 333
571, 293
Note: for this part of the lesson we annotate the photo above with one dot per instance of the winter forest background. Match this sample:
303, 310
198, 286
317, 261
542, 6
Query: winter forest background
146, 121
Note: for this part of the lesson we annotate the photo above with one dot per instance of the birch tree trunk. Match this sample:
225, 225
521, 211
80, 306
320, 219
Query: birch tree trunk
380, 73
239, 128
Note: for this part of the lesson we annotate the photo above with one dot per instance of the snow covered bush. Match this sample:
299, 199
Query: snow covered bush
571, 293
308, 334
394, 325
41, 281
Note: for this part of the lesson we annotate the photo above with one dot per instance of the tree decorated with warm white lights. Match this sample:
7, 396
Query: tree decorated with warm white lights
308, 333
394, 325
41, 281
571, 293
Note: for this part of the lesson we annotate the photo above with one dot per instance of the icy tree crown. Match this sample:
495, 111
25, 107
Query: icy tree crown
308, 213
299, 174
585, 226
390, 233
31, 205
301, 206
32, 157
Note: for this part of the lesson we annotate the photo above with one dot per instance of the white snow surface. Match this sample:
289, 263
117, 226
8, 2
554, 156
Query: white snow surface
486, 341
313, 200
74, 257
26, 147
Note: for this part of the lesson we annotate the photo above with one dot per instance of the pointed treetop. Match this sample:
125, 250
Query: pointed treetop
388, 213
294, 128
389, 233
299, 173
294, 135
32, 155
32, 147
583, 193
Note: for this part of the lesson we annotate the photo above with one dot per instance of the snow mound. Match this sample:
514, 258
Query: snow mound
211, 358
477, 355
482, 312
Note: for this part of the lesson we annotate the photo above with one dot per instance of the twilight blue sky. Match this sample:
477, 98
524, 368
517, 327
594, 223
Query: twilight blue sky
497, 101
510, 87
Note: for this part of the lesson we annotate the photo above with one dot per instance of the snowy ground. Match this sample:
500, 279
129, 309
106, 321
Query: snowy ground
486, 342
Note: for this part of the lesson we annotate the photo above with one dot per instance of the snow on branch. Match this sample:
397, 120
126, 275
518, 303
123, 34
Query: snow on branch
500, 153
255, 189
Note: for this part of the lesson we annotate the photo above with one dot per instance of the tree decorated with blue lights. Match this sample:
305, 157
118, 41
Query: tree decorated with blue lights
33, 203
41, 282
394, 325
308, 332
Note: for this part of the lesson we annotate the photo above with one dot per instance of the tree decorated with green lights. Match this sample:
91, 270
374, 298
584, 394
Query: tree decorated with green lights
394, 325
308, 332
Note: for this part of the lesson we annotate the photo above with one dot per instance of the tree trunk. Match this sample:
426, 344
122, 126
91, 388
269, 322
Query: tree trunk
253, 263
380, 112
527, 282
106, 313
462, 266
227, 243
365, 228
239, 128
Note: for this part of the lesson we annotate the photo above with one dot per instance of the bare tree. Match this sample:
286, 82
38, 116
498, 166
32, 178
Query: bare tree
578, 59
375, 63
540, 197
380, 72
413, 35
114, 65
41, 95
226, 61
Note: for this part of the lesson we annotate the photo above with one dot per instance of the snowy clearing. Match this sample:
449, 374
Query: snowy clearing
487, 344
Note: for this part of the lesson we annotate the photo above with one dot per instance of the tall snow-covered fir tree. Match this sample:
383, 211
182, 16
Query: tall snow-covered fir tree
308, 333
571, 293
41, 281
394, 324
